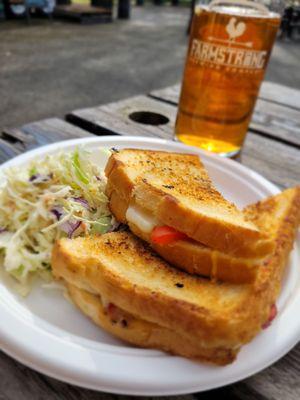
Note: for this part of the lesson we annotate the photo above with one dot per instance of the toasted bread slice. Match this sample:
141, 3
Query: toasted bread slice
196, 258
218, 315
120, 267
176, 190
280, 216
143, 333
202, 260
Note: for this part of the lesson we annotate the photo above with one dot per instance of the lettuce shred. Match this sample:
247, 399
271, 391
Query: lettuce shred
58, 196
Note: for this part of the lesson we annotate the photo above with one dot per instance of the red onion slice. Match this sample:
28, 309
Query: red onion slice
58, 211
82, 201
70, 227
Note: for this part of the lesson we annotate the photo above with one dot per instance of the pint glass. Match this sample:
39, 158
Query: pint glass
229, 48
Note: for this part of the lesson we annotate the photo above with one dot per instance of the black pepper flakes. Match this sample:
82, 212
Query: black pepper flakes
114, 150
179, 285
168, 186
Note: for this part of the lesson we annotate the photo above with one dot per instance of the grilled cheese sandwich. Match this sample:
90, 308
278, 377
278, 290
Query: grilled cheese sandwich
214, 318
149, 189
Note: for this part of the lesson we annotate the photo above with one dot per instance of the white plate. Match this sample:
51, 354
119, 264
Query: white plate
47, 333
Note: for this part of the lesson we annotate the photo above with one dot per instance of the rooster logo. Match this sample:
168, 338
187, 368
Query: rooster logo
234, 30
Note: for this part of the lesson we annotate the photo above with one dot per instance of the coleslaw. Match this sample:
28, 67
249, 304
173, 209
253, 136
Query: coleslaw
62, 195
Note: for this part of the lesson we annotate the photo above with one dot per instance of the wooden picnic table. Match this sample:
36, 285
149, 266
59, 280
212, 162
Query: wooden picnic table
271, 148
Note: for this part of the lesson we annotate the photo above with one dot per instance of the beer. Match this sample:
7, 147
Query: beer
228, 53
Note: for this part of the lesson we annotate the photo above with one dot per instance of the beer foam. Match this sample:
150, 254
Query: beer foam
241, 11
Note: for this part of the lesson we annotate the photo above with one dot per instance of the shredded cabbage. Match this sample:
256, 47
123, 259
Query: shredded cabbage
58, 196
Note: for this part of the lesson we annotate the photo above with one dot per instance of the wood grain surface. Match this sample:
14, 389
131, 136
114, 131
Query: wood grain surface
17, 140
280, 94
276, 113
277, 157
269, 91
257, 152
278, 162
116, 118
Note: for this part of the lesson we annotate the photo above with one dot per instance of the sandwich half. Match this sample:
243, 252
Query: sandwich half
142, 333
116, 277
151, 190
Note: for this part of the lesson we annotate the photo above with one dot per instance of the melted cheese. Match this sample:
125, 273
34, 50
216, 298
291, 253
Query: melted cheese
144, 222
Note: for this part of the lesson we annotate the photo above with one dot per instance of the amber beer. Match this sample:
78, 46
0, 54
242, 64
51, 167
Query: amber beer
228, 53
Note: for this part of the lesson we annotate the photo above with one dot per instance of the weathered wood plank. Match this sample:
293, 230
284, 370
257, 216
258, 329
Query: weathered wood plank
115, 118
278, 382
281, 94
278, 162
269, 91
281, 381
169, 94
18, 382
273, 118
276, 121
16, 135
42, 132
7, 151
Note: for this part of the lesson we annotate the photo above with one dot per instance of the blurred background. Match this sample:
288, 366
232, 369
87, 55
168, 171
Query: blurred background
59, 55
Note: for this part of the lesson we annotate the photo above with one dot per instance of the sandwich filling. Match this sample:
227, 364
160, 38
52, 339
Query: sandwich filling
145, 222
159, 233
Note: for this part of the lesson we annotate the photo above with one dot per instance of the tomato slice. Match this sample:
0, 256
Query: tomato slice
166, 235
273, 313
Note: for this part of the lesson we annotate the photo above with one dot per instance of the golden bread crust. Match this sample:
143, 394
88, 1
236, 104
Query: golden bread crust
120, 267
179, 193
192, 256
283, 220
225, 236
198, 259
145, 334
